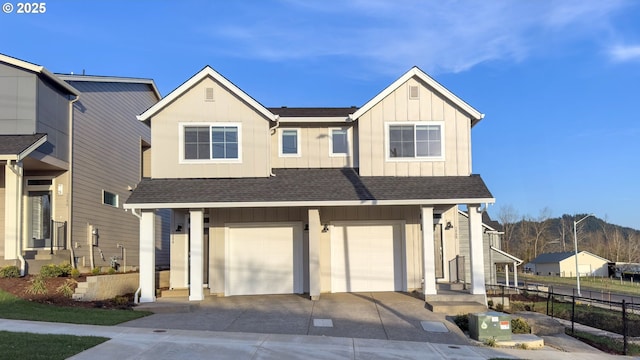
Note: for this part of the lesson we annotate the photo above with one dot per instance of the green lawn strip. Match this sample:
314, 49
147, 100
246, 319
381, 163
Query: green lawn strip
598, 285
12, 307
605, 343
18, 345
599, 318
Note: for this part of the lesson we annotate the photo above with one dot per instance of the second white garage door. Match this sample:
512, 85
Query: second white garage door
367, 256
263, 258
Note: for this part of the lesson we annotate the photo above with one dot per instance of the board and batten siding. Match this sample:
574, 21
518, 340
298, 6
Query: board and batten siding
315, 146
18, 105
397, 107
107, 156
53, 120
192, 107
463, 236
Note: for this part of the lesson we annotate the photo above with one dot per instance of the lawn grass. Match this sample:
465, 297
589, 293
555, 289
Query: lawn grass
17, 345
588, 283
605, 343
12, 307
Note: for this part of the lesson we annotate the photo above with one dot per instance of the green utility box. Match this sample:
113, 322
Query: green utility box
490, 325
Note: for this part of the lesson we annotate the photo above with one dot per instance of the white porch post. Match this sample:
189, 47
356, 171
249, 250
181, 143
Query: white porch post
515, 274
12, 209
196, 250
314, 254
147, 256
476, 250
506, 274
428, 254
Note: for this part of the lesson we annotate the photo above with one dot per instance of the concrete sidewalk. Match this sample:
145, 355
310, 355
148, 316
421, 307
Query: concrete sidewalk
155, 344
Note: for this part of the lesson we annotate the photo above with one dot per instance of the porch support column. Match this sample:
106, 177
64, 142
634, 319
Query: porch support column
147, 256
515, 274
428, 253
12, 209
506, 274
476, 250
196, 250
314, 254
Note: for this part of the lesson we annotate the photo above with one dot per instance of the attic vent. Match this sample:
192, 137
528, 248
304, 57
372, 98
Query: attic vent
414, 92
208, 94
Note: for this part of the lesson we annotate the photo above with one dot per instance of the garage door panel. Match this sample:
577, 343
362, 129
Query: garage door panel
263, 260
366, 257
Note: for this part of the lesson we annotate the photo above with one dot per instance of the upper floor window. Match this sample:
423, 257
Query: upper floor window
109, 198
214, 142
419, 140
289, 142
339, 142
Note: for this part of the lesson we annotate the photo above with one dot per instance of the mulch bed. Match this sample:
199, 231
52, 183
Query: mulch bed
19, 286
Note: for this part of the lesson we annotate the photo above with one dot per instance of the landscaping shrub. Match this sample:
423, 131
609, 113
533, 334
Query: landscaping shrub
499, 307
75, 273
520, 326
95, 271
111, 271
53, 270
67, 289
37, 287
516, 306
462, 321
10, 271
490, 304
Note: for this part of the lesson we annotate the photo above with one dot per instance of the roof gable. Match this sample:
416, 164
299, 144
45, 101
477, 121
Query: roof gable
416, 72
207, 71
112, 79
39, 70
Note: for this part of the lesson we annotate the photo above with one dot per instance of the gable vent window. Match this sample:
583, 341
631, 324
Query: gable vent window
414, 92
208, 94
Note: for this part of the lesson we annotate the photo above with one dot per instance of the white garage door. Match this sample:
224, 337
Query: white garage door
264, 259
367, 256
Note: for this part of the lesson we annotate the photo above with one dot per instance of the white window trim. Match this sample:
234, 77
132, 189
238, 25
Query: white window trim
117, 205
387, 140
298, 138
182, 160
349, 142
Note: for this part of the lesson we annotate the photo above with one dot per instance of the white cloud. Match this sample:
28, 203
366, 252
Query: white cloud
448, 36
625, 53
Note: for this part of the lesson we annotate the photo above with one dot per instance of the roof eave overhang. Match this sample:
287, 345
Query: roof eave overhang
92, 78
26, 152
515, 259
424, 202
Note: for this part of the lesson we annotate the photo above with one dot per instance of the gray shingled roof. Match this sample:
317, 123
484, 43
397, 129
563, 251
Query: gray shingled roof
552, 257
16, 144
295, 185
313, 112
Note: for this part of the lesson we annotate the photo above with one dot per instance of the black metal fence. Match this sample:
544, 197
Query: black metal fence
596, 310
58, 235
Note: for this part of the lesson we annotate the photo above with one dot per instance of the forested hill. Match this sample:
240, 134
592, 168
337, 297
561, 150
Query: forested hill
526, 238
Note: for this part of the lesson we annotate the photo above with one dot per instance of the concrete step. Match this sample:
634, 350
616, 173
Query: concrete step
83, 285
455, 308
40, 256
456, 297
77, 297
175, 293
451, 286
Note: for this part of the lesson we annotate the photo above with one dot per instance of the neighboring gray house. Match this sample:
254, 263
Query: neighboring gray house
494, 256
71, 150
563, 264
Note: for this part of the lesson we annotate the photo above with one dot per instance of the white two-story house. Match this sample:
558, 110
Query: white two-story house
311, 200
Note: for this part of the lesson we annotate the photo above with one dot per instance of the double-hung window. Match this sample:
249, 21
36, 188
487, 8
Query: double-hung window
419, 140
339, 142
289, 142
213, 142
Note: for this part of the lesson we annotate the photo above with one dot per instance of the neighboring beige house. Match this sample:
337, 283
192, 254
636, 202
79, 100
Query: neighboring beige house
311, 200
563, 264
71, 151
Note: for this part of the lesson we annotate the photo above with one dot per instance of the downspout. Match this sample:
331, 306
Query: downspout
136, 296
72, 253
272, 130
16, 169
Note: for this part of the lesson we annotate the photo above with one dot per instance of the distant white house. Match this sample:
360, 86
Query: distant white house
563, 264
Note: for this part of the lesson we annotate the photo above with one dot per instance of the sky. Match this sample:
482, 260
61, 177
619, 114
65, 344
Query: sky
558, 81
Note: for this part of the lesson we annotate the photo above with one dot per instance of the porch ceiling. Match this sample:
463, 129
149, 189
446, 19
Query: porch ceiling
319, 187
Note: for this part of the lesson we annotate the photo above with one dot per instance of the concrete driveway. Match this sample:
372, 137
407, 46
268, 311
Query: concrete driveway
387, 315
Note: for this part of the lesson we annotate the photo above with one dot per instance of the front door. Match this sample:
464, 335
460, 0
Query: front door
39, 219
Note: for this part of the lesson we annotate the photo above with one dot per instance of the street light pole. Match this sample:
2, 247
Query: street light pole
575, 243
